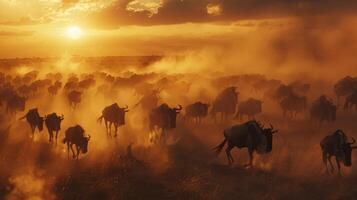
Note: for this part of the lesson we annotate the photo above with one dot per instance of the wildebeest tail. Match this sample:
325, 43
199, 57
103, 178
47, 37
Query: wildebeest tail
219, 148
21, 118
100, 119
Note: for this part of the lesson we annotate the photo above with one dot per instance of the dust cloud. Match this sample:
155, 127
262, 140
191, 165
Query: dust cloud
186, 167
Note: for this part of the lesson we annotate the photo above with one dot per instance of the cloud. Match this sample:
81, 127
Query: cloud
214, 9
157, 12
115, 13
151, 6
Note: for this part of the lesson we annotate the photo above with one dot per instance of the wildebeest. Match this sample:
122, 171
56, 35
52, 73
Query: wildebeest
251, 135
293, 104
337, 145
53, 89
225, 103
15, 103
53, 124
294, 88
149, 101
34, 119
196, 111
113, 115
250, 108
86, 83
75, 136
345, 86
74, 98
323, 109
163, 118
351, 101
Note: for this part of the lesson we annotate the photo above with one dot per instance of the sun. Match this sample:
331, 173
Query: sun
74, 32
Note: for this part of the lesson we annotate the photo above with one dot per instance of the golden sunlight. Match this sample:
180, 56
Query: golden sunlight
74, 32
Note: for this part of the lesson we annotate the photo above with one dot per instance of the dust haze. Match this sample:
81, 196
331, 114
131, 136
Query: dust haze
314, 51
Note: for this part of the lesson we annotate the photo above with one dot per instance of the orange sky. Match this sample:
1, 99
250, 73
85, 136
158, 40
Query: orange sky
147, 27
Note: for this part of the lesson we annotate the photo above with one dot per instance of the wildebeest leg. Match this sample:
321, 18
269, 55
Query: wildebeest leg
33, 131
50, 133
106, 126
115, 129
68, 150
324, 159
329, 160
56, 136
78, 151
338, 166
71, 145
110, 129
228, 153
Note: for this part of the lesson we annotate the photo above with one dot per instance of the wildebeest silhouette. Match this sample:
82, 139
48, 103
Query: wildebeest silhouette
162, 118
74, 98
113, 115
75, 135
225, 103
337, 145
249, 108
251, 135
323, 110
34, 119
293, 104
53, 124
196, 111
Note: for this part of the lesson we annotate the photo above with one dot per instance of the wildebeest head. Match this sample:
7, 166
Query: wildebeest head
123, 111
268, 132
84, 144
173, 114
346, 152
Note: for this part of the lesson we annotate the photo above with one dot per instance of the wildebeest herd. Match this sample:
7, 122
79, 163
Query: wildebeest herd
225, 107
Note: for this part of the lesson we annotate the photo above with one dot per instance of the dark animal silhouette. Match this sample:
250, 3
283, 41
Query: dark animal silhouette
294, 88
75, 136
149, 101
34, 119
323, 110
249, 108
351, 101
15, 103
86, 83
345, 86
53, 124
282, 91
251, 135
74, 98
113, 115
337, 145
196, 111
300, 88
162, 118
293, 104
53, 89
225, 103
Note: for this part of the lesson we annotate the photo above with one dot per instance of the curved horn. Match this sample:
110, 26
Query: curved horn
272, 127
179, 107
126, 107
353, 141
88, 137
62, 116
